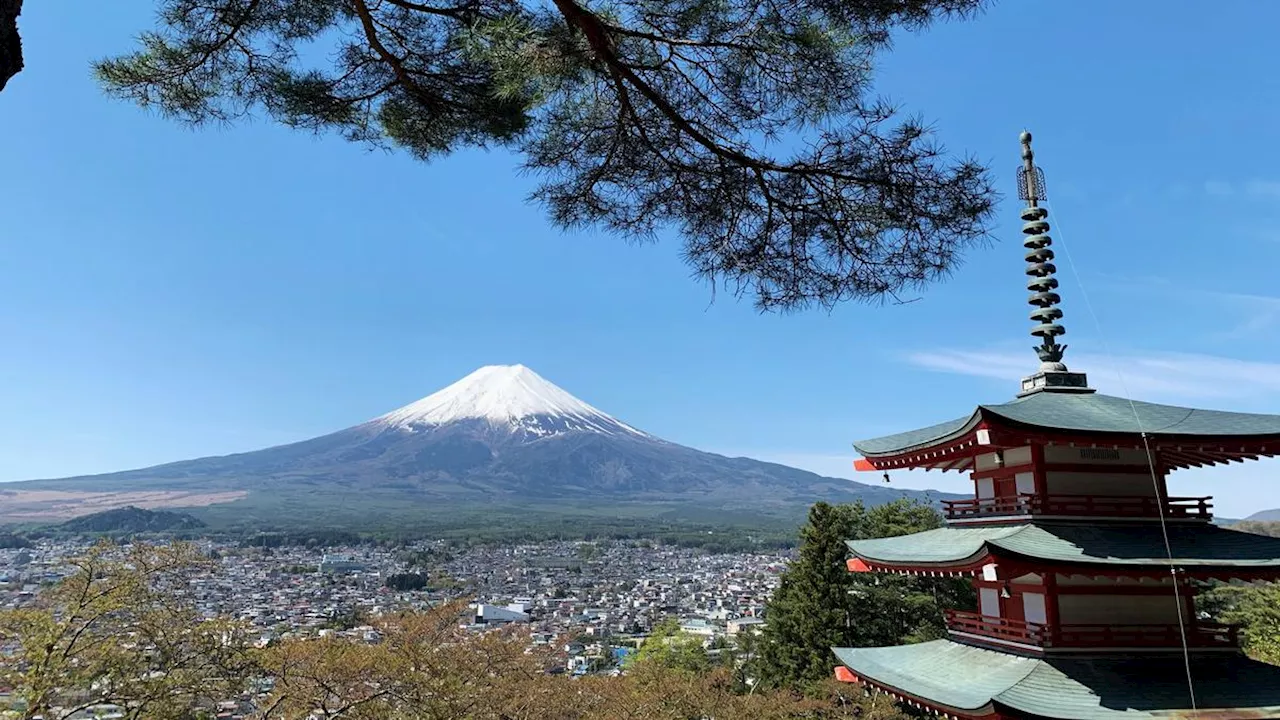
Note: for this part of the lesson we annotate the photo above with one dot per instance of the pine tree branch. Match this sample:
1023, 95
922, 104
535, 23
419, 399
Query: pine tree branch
10, 41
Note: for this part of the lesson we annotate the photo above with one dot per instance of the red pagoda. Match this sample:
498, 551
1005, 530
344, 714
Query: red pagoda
1086, 569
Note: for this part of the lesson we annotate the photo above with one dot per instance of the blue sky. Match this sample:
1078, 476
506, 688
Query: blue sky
168, 293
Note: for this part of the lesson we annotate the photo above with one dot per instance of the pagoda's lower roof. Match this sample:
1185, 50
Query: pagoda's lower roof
1086, 413
1195, 546
971, 681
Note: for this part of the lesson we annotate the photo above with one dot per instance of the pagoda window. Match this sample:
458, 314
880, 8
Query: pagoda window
986, 488
1025, 483
989, 601
988, 461
1010, 458
1034, 609
1017, 457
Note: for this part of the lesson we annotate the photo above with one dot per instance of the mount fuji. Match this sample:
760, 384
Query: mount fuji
501, 442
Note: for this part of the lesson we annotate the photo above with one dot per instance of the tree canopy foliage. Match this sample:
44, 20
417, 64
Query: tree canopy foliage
406, 581
748, 126
1256, 609
118, 631
669, 647
820, 604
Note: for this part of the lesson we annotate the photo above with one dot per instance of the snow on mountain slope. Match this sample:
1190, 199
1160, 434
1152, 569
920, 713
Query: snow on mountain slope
500, 437
506, 396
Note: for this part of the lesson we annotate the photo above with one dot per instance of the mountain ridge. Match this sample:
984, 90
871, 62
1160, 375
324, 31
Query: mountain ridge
501, 437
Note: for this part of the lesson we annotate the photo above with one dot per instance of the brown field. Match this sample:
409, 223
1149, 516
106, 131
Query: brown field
37, 505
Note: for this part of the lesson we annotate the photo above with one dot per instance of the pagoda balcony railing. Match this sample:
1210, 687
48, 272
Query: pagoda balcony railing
1122, 506
1199, 634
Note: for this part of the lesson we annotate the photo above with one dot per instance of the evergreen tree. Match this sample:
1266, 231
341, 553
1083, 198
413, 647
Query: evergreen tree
636, 116
810, 612
820, 604
897, 609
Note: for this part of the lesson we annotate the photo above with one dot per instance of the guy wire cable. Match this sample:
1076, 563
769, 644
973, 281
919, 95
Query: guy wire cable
1146, 443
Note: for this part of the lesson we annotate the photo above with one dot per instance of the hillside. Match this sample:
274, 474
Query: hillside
130, 519
1270, 528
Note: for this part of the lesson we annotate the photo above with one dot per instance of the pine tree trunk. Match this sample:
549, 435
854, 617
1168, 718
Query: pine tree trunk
10, 42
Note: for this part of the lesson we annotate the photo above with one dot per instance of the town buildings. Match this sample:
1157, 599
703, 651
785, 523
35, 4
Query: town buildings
593, 610
621, 592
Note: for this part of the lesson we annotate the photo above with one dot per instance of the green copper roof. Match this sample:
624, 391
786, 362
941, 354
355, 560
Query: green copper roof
965, 678
1205, 546
1086, 412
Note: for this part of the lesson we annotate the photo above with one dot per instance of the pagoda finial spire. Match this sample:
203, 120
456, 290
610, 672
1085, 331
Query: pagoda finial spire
1041, 283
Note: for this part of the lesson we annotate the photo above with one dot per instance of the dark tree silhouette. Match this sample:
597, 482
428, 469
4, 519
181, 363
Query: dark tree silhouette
10, 41
748, 126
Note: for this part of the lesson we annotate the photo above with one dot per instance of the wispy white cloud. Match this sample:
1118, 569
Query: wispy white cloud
1263, 189
1218, 187
1151, 375
1257, 313
1180, 378
1243, 315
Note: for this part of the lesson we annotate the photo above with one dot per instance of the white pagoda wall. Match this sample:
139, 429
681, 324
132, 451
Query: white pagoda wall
1134, 480
1103, 484
1117, 609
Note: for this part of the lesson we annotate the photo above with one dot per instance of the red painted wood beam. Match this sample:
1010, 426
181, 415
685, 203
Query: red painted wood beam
856, 565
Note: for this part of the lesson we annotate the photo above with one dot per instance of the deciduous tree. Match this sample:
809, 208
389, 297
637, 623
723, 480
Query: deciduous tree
118, 631
669, 647
750, 127
425, 666
1256, 610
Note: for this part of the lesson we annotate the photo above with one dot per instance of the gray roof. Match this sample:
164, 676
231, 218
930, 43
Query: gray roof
1132, 544
965, 678
1087, 412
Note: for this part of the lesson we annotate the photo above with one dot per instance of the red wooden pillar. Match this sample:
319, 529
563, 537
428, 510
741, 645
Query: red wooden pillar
1051, 606
1188, 603
1039, 473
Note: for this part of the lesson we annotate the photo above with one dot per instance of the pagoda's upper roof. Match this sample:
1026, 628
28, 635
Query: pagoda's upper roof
1133, 545
975, 681
1085, 413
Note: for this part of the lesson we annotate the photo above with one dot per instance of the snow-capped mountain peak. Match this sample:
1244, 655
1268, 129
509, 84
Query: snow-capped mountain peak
511, 396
